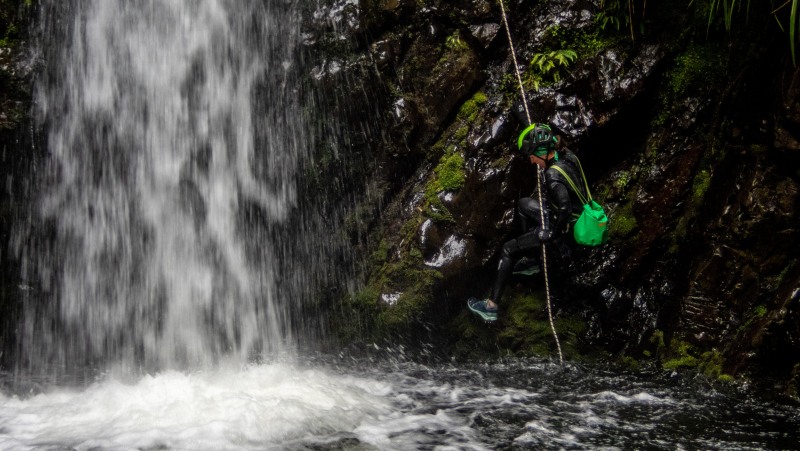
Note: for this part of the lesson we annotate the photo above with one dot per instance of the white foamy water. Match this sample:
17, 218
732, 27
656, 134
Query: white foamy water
389, 405
266, 405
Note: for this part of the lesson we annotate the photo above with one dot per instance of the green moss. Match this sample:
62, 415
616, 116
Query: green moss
630, 362
364, 315
681, 362
695, 69
775, 282
381, 254
622, 180
415, 286
657, 339
683, 355
455, 43
699, 71
622, 222
725, 378
470, 109
461, 133
526, 327
711, 366
700, 185
449, 175
702, 181
686, 361
758, 312
450, 172
437, 211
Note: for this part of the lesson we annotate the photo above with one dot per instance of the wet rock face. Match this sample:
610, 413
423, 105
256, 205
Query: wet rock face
698, 181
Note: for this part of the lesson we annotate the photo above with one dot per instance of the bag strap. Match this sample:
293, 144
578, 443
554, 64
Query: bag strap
585, 183
574, 187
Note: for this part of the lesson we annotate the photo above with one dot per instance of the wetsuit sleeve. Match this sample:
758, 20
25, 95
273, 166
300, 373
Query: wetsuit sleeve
561, 203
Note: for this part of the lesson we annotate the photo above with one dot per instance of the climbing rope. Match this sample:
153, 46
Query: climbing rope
516, 65
539, 176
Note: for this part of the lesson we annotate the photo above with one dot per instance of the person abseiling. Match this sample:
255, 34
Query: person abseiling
538, 143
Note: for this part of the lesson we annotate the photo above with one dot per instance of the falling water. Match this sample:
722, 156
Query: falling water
157, 261
168, 124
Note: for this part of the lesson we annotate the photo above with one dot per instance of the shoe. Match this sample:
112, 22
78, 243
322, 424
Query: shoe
479, 308
526, 267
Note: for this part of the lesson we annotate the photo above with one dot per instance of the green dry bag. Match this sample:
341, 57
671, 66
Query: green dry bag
591, 229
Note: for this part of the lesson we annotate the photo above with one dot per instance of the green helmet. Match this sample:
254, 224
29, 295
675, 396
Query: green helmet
537, 139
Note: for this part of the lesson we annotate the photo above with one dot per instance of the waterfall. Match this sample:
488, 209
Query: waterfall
174, 135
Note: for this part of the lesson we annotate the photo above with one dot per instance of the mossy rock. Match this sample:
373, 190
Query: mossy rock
684, 355
526, 327
622, 222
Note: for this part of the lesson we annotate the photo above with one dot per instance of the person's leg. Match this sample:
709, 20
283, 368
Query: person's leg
530, 220
529, 214
512, 250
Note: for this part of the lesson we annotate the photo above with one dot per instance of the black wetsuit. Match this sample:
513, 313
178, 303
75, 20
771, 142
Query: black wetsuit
563, 207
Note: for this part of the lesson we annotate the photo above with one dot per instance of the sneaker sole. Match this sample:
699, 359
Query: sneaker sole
489, 317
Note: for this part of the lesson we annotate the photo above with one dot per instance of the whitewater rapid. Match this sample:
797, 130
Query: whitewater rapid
388, 404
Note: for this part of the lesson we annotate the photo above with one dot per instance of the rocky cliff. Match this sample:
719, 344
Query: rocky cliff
689, 137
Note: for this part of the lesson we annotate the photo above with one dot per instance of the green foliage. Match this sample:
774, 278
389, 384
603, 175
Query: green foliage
549, 62
455, 43
793, 30
610, 15
461, 133
728, 8
561, 48
784, 12
549, 66
585, 41
615, 14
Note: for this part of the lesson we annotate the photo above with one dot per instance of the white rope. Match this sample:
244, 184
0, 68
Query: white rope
516, 65
539, 176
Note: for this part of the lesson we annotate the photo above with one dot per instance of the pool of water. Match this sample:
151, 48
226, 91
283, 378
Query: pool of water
368, 404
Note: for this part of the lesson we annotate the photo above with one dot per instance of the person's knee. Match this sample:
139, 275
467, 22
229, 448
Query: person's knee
529, 207
509, 249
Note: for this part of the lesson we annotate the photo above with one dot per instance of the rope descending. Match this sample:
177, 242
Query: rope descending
539, 176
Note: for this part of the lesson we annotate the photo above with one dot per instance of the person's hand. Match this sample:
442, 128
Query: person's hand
545, 235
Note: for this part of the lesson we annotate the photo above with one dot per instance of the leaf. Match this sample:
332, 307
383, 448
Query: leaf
792, 29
